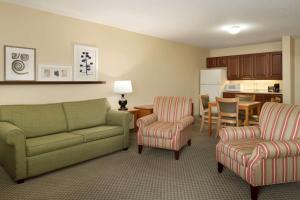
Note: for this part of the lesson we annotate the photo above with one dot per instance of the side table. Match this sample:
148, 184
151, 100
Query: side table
134, 112
144, 110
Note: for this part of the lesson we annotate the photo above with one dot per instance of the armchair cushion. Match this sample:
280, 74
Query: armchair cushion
237, 133
159, 129
184, 122
239, 150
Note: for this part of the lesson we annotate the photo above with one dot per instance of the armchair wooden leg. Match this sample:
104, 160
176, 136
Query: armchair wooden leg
140, 149
220, 167
20, 181
176, 153
189, 142
254, 192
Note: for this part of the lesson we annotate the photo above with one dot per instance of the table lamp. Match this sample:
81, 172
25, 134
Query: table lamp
123, 87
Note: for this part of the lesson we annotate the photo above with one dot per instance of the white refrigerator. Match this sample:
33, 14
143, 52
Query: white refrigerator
212, 82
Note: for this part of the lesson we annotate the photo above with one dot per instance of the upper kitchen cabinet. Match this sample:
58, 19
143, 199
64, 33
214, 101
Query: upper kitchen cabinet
233, 67
211, 62
275, 69
260, 67
246, 67
216, 62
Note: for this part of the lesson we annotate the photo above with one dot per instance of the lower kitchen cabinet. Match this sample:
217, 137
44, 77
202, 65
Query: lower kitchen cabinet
258, 96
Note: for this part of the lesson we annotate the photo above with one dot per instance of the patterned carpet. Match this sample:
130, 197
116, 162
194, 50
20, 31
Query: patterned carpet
152, 175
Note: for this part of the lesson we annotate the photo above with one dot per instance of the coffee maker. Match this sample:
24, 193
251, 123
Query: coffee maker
276, 87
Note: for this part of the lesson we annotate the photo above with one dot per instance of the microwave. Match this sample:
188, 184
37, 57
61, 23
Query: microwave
233, 87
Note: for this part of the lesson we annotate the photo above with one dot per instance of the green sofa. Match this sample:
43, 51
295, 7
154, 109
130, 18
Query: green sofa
35, 139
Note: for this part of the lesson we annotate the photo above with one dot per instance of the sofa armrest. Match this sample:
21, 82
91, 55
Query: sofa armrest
10, 134
276, 149
12, 140
120, 118
184, 122
146, 120
236, 133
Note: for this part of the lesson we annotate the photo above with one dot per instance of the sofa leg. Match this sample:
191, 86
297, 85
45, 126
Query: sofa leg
176, 153
125, 149
254, 192
140, 149
220, 167
189, 142
20, 181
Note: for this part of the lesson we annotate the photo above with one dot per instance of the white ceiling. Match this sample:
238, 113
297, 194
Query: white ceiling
196, 22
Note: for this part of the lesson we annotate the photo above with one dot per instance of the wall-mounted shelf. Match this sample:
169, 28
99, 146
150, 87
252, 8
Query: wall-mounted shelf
49, 82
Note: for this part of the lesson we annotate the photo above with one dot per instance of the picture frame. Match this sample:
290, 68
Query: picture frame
86, 63
19, 63
55, 73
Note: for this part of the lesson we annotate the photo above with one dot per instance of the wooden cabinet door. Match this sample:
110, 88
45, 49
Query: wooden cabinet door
222, 61
228, 95
211, 62
275, 68
233, 67
261, 65
246, 67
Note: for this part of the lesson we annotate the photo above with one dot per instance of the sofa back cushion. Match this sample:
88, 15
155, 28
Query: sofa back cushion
172, 108
280, 121
86, 114
35, 120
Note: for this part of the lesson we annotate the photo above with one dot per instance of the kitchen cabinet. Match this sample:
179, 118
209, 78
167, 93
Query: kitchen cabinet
246, 67
275, 66
211, 62
261, 97
260, 66
233, 67
216, 62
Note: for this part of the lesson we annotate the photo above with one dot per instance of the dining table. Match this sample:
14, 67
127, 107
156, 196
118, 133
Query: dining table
246, 106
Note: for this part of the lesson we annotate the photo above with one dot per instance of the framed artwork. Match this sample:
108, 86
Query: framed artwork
54, 73
85, 63
19, 63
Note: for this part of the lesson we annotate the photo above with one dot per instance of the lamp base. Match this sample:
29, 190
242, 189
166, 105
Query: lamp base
122, 103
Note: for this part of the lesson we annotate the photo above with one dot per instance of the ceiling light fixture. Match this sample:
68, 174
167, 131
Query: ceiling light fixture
234, 30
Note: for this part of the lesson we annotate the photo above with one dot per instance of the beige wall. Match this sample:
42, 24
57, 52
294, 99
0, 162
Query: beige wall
155, 66
297, 72
246, 49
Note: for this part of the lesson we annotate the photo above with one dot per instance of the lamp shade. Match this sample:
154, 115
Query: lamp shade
123, 87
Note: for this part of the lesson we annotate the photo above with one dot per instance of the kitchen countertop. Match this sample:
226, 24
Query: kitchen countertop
254, 91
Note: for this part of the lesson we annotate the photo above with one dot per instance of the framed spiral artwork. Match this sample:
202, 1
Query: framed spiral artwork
19, 63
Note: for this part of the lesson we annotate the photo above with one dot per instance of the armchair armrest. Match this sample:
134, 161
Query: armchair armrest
236, 133
14, 159
146, 120
276, 149
184, 122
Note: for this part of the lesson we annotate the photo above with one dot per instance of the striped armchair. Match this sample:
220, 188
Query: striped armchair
165, 128
265, 154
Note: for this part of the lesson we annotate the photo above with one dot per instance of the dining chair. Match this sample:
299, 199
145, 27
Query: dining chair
228, 110
204, 100
247, 98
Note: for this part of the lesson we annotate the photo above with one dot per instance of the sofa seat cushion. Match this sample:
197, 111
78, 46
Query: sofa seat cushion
99, 132
239, 150
159, 129
44, 144
86, 114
